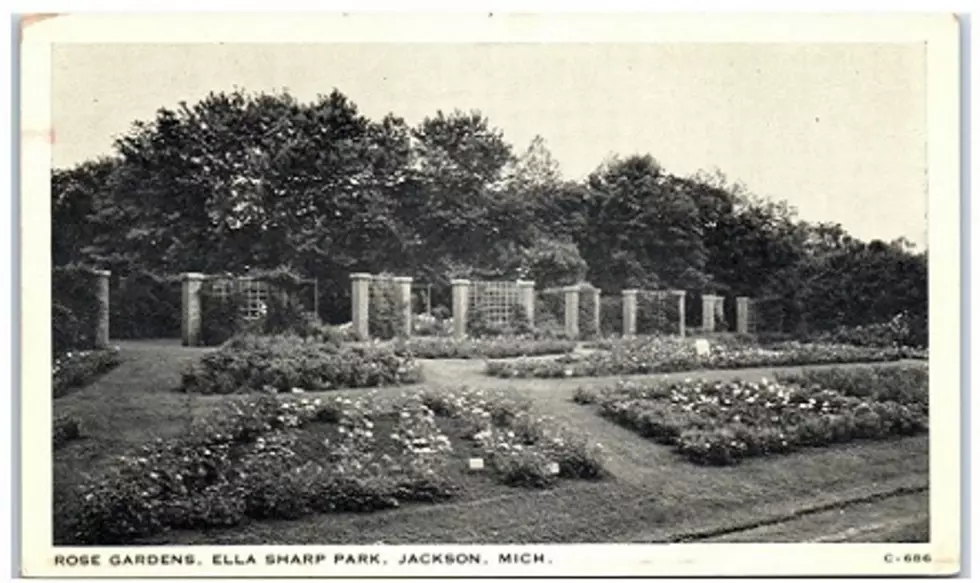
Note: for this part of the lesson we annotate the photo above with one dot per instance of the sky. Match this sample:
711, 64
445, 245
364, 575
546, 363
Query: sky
836, 130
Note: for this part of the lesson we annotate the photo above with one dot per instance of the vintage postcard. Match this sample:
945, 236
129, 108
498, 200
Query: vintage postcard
419, 295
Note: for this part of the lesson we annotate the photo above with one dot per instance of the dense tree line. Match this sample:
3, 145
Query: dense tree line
240, 181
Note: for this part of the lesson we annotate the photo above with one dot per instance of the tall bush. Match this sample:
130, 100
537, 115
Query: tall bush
74, 307
144, 304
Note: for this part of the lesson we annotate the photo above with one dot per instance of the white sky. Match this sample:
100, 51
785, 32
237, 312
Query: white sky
836, 130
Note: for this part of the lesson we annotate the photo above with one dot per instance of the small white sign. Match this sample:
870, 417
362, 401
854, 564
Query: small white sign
702, 347
554, 469
476, 463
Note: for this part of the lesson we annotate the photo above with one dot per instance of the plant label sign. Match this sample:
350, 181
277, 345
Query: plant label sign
554, 469
476, 463
702, 347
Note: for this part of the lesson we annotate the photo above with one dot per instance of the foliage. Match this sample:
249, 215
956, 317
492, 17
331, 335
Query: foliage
472, 348
290, 363
144, 304
65, 428
386, 313
221, 315
73, 370
721, 423
670, 354
75, 307
239, 181
270, 458
907, 384
902, 330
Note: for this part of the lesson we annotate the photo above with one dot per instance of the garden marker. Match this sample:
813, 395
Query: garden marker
476, 463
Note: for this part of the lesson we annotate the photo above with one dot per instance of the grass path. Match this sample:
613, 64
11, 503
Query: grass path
653, 495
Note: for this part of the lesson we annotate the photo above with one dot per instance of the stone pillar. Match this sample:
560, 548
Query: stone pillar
629, 312
405, 295
597, 311
102, 292
742, 315
461, 304
681, 311
360, 304
571, 311
708, 306
525, 294
190, 311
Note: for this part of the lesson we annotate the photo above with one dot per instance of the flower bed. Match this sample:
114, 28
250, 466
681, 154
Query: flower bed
290, 363
721, 423
75, 369
495, 347
283, 458
673, 354
908, 384
64, 428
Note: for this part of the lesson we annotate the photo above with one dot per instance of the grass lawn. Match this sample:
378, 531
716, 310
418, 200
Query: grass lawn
653, 495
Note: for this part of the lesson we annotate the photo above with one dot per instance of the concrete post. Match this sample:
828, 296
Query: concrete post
571, 311
597, 311
405, 295
525, 294
629, 312
742, 314
461, 304
708, 307
360, 304
102, 292
190, 312
681, 311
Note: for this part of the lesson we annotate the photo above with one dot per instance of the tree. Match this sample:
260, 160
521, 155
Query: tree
643, 227
79, 197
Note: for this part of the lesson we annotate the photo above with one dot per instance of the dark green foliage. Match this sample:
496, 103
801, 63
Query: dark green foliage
74, 308
145, 305
221, 316
386, 313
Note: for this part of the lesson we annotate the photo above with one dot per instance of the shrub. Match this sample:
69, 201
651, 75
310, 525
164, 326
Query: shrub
74, 370
673, 354
65, 428
74, 308
284, 363
221, 316
145, 305
907, 385
468, 348
387, 309
720, 423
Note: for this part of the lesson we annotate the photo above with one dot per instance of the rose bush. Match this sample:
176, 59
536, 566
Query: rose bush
673, 354
491, 347
74, 369
285, 363
721, 423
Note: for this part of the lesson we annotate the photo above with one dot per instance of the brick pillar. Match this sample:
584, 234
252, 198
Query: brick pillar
525, 294
682, 311
708, 306
405, 295
597, 311
360, 304
571, 311
102, 292
190, 312
461, 304
742, 315
629, 312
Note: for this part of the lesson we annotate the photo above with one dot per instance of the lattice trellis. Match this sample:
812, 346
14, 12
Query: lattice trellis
253, 292
493, 302
658, 312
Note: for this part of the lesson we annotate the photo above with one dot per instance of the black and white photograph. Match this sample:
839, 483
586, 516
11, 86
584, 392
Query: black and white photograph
492, 295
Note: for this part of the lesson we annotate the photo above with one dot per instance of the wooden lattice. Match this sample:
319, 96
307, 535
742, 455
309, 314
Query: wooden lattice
493, 302
253, 292
658, 312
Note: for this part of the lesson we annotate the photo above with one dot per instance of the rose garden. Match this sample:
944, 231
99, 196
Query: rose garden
330, 349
